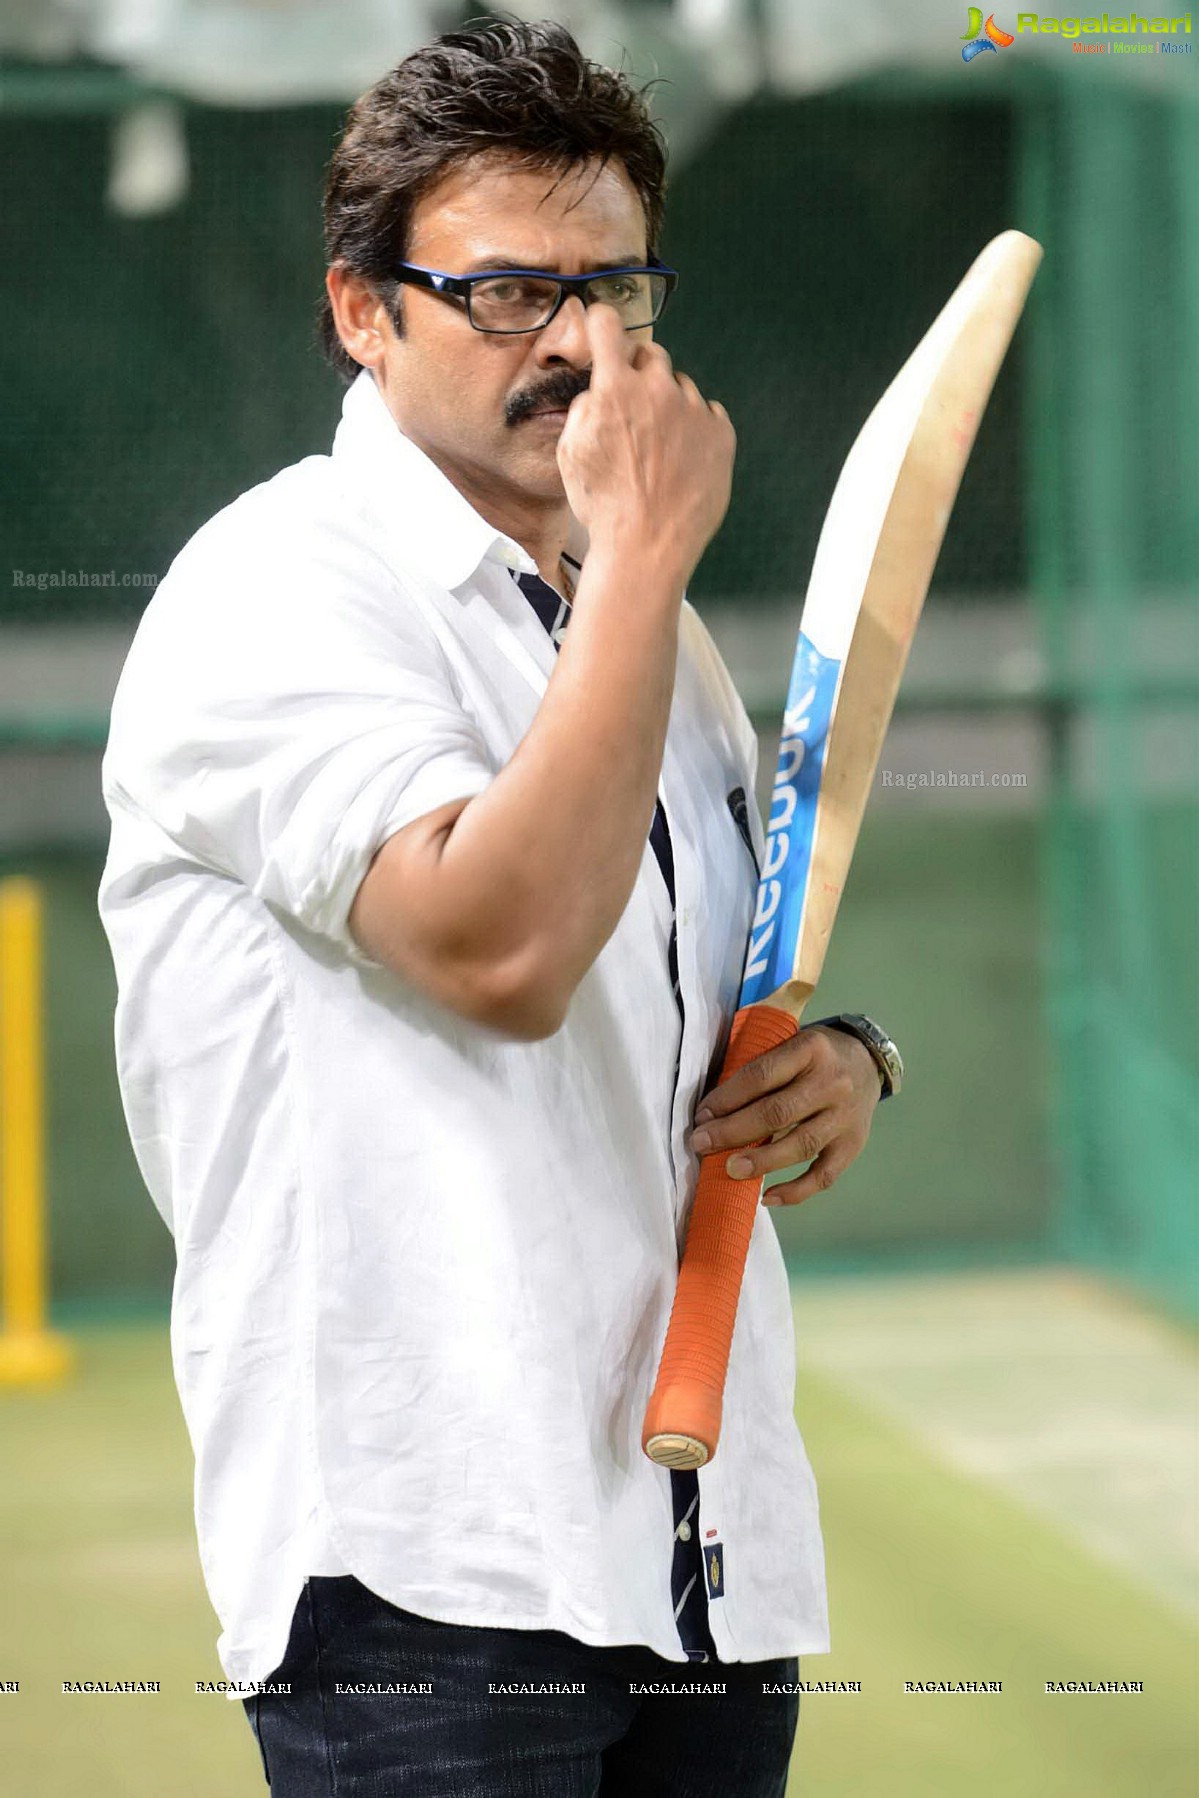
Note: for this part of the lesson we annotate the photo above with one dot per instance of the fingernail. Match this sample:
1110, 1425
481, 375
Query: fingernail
703, 1115
701, 1142
739, 1167
769, 1200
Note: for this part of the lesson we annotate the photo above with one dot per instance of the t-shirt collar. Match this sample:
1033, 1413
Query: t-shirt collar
430, 521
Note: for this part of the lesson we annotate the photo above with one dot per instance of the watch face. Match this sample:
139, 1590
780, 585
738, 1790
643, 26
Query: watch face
880, 1046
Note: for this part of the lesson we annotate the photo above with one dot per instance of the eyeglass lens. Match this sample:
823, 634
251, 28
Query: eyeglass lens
523, 302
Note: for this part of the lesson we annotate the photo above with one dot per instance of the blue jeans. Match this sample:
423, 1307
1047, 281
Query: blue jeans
462, 1740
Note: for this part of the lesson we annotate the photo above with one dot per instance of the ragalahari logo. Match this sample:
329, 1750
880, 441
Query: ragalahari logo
993, 38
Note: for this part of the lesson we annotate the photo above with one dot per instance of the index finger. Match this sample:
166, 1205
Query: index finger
764, 1074
610, 348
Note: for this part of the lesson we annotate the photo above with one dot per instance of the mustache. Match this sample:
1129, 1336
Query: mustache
558, 389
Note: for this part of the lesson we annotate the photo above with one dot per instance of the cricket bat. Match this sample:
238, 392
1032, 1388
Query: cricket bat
873, 563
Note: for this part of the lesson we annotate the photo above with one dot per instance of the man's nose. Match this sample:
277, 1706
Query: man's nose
565, 338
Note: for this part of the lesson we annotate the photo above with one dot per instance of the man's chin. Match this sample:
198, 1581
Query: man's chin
534, 467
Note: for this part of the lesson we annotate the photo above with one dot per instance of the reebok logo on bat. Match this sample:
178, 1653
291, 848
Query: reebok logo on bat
994, 38
788, 858
797, 722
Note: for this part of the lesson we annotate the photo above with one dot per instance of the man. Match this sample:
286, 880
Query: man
428, 895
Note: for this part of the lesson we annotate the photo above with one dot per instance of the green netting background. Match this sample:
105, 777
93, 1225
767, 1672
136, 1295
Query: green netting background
153, 369
1108, 177
160, 366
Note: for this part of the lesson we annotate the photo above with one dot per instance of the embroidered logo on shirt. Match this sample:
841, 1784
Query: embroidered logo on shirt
714, 1568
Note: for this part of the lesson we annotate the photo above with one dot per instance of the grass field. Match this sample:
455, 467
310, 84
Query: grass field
933, 1576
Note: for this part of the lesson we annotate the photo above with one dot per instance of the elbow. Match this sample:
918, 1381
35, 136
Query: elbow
526, 1003
518, 997
526, 1023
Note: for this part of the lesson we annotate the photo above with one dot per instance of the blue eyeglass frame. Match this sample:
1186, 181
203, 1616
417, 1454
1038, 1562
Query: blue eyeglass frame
458, 287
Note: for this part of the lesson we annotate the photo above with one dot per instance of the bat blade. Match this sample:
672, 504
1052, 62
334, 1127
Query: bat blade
874, 560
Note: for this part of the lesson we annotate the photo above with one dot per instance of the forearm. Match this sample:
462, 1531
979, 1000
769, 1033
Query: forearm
500, 908
539, 868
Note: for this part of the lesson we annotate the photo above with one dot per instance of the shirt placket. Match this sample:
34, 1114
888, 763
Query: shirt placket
687, 1587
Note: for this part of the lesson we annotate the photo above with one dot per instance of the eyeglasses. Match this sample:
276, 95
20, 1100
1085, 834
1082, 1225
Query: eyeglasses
512, 300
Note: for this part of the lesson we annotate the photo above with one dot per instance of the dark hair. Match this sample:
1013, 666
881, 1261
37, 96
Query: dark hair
495, 85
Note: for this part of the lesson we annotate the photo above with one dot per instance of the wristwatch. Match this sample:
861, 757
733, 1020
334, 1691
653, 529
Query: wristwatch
886, 1056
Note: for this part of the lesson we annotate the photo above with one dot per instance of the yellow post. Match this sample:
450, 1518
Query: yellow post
30, 1354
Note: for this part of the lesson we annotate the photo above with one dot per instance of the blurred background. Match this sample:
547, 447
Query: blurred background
995, 1308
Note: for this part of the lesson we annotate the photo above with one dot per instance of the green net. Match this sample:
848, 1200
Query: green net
184, 369
1114, 533
165, 363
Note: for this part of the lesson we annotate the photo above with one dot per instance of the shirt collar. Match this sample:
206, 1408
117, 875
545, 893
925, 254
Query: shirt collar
430, 522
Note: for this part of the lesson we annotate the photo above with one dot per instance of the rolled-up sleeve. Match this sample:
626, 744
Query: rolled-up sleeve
280, 716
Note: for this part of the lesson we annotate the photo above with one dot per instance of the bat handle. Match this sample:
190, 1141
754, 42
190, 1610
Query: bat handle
682, 1421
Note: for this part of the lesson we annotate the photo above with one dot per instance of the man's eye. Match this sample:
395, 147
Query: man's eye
512, 293
618, 290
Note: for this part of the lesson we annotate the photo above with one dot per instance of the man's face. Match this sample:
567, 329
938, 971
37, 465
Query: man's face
489, 408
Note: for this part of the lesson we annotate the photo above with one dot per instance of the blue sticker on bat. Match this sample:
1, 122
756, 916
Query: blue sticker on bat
770, 959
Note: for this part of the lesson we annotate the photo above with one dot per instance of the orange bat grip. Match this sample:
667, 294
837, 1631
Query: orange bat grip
682, 1422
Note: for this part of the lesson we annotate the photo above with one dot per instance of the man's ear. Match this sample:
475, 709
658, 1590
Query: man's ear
362, 319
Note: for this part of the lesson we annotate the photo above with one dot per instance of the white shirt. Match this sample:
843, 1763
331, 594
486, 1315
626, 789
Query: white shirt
424, 1273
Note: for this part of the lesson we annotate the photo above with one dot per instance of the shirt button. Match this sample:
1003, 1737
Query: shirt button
684, 1531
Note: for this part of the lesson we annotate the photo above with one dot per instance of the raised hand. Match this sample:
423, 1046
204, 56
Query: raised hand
645, 459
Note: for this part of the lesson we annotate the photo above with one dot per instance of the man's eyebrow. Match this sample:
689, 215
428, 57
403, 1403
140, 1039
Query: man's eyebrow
484, 264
